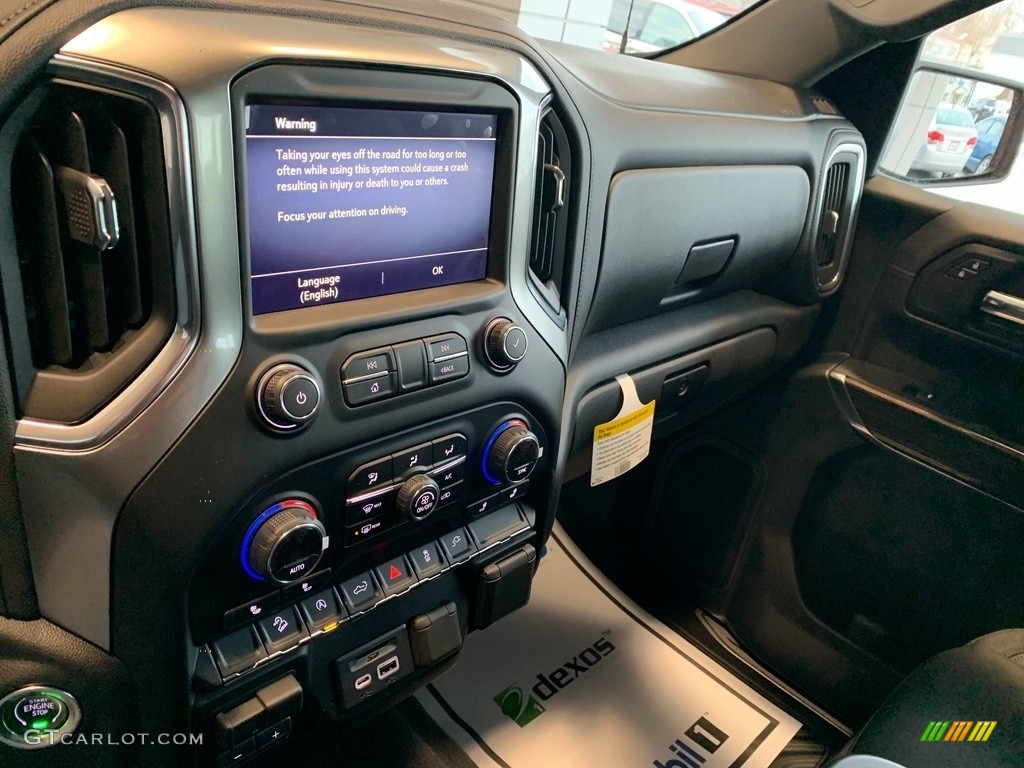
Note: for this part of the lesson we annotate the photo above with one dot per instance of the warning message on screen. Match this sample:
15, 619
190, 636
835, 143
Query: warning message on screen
388, 201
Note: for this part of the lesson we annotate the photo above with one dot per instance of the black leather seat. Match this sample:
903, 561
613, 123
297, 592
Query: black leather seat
982, 681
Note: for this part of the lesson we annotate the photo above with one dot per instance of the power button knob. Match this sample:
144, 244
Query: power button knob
287, 397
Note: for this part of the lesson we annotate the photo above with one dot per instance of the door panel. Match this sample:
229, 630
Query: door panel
889, 524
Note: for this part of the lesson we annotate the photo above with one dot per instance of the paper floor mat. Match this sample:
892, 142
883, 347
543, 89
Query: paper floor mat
582, 676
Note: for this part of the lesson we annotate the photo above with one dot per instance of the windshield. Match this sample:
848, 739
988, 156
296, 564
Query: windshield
640, 27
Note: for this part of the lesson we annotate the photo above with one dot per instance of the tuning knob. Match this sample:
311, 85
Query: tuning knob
512, 453
505, 344
285, 543
418, 497
287, 397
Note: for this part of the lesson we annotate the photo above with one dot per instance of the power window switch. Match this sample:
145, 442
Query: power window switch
961, 272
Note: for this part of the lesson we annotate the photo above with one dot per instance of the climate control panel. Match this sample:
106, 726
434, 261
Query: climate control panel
348, 513
407, 485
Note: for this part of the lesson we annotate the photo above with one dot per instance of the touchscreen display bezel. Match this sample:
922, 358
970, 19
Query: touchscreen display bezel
342, 270
359, 88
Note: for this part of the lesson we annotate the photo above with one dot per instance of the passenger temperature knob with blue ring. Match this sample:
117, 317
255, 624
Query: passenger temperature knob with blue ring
285, 543
511, 453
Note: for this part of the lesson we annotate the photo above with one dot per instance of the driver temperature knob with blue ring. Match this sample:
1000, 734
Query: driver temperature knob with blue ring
284, 544
511, 453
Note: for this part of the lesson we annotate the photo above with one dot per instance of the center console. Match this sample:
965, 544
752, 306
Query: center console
355, 468
400, 403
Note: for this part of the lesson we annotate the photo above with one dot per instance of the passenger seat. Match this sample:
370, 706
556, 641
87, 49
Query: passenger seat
970, 688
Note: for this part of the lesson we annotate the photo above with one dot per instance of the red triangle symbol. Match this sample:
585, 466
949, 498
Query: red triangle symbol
394, 573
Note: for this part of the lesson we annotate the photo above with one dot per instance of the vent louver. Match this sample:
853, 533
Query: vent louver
837, 186
550, 217
824, 106
89, 199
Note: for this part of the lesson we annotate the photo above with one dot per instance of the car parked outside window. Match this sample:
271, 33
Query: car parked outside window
990, 131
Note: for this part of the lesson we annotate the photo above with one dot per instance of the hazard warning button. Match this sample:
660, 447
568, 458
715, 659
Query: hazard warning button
395, 576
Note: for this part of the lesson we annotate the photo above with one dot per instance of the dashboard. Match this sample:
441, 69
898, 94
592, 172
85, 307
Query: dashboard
368, 277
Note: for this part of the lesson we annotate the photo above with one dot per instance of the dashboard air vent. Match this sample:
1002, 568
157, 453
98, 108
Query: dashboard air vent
550, 217
824, 106
836, 219
89, 202
837, 187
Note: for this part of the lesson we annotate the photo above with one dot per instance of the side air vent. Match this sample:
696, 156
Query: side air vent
90, 215
824, 106
837, 214
837, 187
550, 215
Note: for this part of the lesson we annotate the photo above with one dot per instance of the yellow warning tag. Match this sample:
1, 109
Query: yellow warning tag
621, 444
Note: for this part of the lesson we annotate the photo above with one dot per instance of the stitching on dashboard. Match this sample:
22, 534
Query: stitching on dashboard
21, 11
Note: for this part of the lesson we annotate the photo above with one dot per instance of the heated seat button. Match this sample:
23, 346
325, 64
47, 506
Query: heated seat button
457, 546
282, 630
395, 575
321, 610
359, 592
251, 611
307, 585
514, 493
238, 651
483, 505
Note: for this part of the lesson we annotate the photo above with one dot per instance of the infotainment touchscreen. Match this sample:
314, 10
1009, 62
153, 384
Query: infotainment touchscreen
347, 203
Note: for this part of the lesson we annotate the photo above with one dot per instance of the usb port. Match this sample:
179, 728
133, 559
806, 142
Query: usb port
364, 681
387, 668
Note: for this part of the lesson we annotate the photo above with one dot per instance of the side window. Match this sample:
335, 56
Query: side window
665, 27
958, 131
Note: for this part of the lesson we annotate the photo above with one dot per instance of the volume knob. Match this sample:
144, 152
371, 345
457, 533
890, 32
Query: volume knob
287, 397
